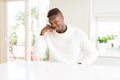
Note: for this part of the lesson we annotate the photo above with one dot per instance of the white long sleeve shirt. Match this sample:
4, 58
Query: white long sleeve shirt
71, 46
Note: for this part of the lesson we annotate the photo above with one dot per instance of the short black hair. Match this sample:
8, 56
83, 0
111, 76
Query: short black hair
53, 12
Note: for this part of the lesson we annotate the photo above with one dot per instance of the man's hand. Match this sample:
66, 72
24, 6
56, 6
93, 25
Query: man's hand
47, 28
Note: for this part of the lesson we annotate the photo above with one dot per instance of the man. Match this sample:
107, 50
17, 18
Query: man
65, 43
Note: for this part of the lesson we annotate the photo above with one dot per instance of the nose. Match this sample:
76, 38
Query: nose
54, 25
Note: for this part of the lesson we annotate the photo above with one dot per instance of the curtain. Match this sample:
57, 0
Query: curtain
3, 54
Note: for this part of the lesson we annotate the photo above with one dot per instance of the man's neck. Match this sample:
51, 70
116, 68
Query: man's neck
64, 29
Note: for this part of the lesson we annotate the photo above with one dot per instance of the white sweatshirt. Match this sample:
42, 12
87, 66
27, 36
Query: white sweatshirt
71, 46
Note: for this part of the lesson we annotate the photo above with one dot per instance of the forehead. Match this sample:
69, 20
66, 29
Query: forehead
54, 17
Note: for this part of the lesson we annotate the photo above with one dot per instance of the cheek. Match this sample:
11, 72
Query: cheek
59, 23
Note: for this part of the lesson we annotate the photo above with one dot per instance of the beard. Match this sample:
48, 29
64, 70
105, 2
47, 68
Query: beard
59, 29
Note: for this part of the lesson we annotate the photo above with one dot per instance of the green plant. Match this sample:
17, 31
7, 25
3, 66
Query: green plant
106, 38
19, 17
46, 55
34, 16
102, 39
112, 36
33, 39
13, 38
13, 35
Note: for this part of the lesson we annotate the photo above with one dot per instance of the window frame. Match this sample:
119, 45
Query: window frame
93, 33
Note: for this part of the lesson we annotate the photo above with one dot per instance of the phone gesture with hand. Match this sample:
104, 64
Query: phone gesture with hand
47, 28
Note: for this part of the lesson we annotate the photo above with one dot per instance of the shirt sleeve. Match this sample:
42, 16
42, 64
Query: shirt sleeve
88, 49
40, 47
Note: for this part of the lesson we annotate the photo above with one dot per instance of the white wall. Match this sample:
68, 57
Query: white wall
106, 6
76, 12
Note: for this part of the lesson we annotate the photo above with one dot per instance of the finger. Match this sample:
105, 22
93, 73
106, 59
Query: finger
48, 25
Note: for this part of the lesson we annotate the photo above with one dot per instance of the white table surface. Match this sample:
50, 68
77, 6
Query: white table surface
20, 70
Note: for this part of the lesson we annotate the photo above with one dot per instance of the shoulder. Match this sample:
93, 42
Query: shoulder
77, 31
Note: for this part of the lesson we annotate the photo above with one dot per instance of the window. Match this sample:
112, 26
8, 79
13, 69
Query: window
108, 35
16, 29
24, 19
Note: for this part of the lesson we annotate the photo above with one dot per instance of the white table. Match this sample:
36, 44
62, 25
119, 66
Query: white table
21, 70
